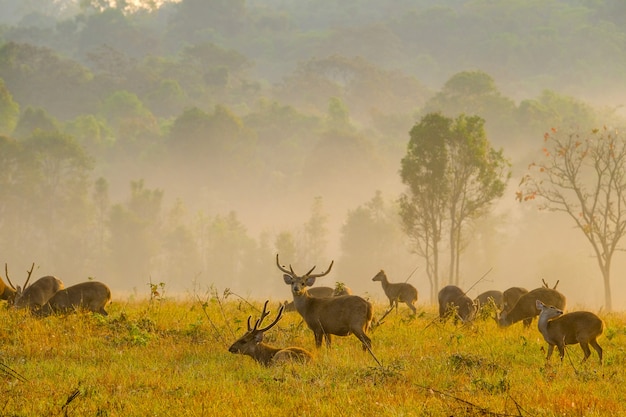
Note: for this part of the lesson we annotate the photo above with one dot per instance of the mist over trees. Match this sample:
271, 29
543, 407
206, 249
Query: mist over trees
188, 142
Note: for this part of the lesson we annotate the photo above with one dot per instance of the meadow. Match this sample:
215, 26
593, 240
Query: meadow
169, 357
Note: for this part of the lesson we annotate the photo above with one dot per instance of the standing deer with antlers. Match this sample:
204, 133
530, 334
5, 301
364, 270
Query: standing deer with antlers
340, 316
251, 344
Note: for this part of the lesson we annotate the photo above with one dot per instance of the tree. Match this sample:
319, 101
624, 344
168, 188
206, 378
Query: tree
453, 175
583, 174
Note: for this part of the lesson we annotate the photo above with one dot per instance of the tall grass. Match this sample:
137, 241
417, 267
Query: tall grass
163, 357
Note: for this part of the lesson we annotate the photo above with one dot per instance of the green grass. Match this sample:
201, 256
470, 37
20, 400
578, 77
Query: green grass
170, 358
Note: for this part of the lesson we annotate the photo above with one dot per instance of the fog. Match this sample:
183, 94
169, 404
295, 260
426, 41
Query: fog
224, 141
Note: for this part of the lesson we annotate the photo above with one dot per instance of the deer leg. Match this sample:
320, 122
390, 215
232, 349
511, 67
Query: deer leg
550, 349
318, 338
597, 347
585, 347
366, 341
561, 347
412, 307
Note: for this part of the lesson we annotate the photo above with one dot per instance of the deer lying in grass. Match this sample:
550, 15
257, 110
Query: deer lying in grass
526, 307
251, 344
90, 295
37, 294
452, 300
339, 316
320, 292
397, 292
558, 329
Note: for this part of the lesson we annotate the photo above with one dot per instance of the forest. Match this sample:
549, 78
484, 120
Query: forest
186, 143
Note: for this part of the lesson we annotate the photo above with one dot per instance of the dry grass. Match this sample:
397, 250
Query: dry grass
170, 358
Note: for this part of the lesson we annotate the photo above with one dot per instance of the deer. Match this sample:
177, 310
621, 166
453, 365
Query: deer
452, 300
90, 295
340, 289
526, 309
558, 329
397, 292
34, 296
340, 316
252, 344
510, 297
495, 295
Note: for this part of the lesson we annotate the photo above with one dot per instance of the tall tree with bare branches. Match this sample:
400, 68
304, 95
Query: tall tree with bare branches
583, 174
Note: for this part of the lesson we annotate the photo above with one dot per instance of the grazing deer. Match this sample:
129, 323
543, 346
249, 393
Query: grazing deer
483, 299
90, 295
510, 297
319, 292
558, 329
338, 316
37, 294
251, 344
452, 300
526, 307
397, 292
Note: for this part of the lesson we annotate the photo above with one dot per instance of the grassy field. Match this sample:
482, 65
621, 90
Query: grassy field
163, 357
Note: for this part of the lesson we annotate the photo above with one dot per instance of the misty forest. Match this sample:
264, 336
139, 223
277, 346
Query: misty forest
185, 143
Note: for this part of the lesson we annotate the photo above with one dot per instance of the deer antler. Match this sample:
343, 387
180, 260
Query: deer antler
323, 273
264, 314
6, 272
282, 268
29, 274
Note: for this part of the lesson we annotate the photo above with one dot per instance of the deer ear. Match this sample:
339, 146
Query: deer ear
288, 279
310, 281
258, 337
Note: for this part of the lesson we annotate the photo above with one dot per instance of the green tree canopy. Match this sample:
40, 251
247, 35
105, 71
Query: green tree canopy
452, 176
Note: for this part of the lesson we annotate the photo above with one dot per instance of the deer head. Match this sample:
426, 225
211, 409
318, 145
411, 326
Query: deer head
299, 283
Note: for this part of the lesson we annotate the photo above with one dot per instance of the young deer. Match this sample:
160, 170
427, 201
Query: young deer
339, 316
397, 292
558, 329
251, 344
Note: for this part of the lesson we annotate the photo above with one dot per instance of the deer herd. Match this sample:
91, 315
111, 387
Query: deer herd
327, 311
48, 295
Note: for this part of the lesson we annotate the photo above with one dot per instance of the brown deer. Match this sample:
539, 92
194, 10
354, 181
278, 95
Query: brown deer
558, 329
340, 289
37, 294
453, 301
526, 307
251, 344
510, 297
484, 298
338, 316
397, 292
90, 295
